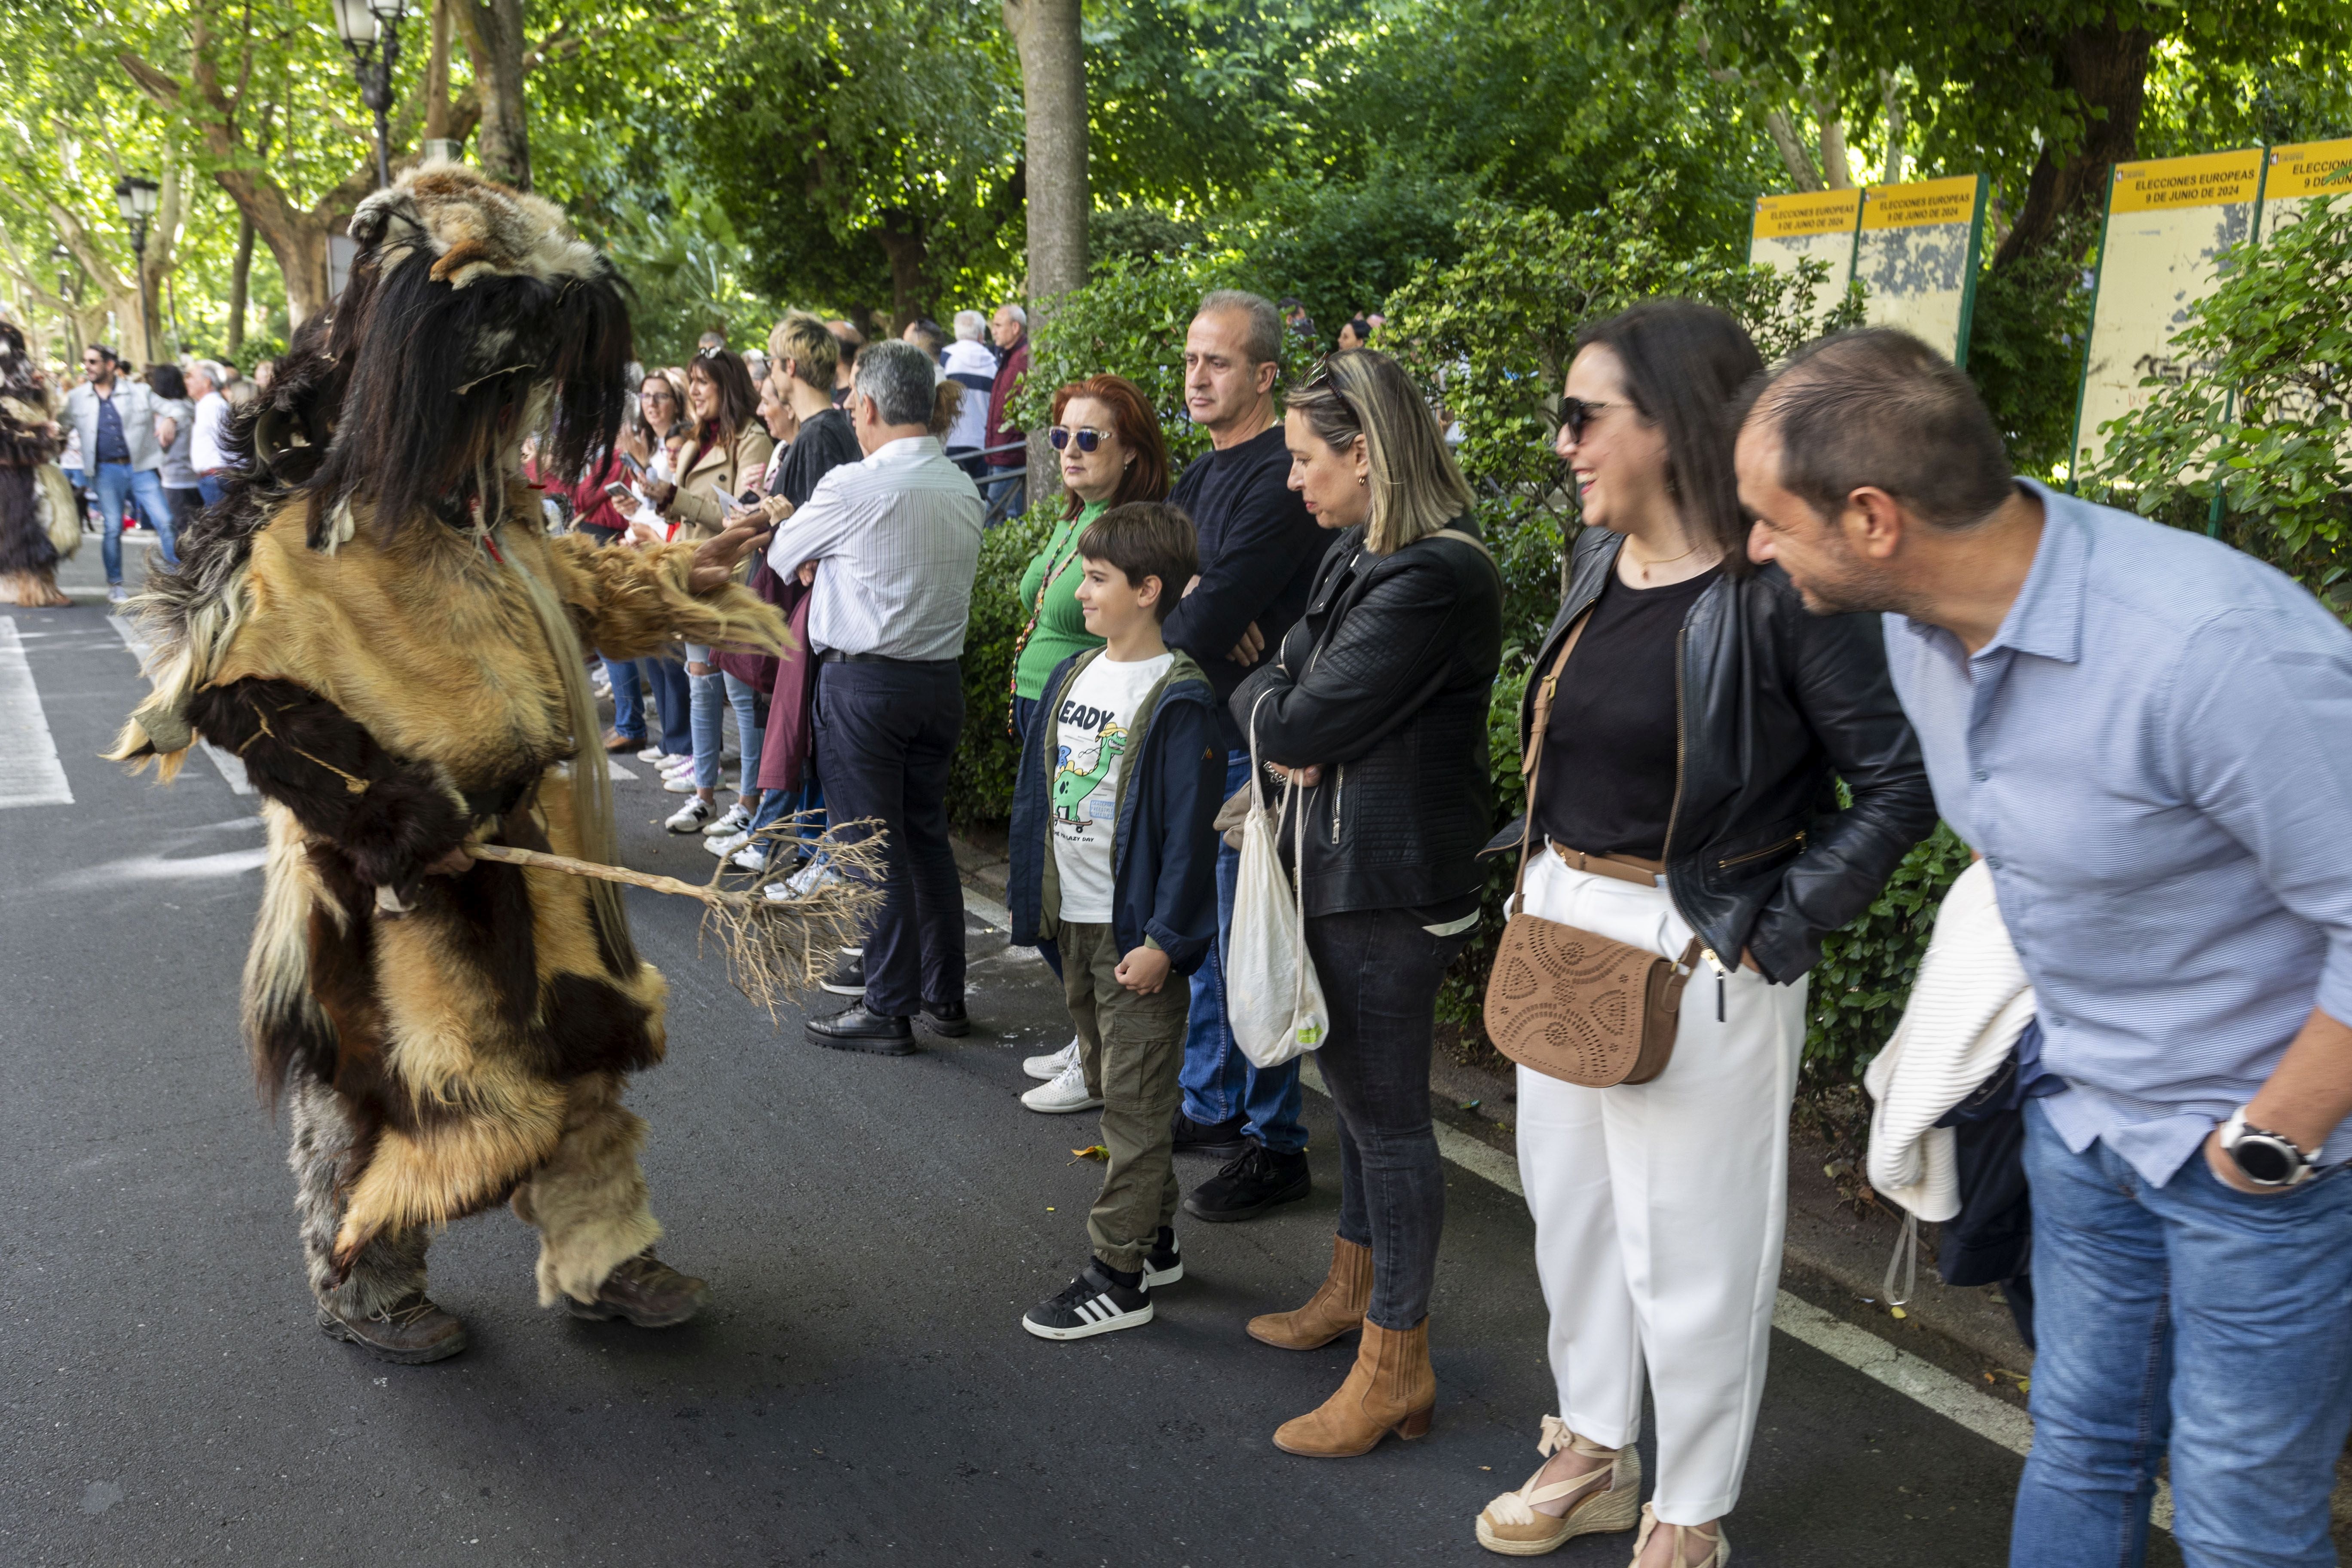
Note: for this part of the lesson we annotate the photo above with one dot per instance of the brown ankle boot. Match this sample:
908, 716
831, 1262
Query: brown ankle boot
647, 1292
1337, 1306
1390, 1389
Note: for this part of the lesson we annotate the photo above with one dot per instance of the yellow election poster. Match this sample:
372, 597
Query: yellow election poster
1917, 257
1808, 225
2167, 220
2300, 173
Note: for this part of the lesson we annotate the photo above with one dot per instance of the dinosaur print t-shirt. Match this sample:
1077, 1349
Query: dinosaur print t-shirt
1091, 733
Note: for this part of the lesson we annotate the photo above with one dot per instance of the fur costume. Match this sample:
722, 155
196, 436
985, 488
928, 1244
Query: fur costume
37, 518
375, 621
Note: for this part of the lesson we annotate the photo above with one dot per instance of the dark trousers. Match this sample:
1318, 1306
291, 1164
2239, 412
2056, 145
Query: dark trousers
1024, 713
1381, 971
885, 734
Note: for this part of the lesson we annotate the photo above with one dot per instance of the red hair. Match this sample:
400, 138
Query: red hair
1138, 429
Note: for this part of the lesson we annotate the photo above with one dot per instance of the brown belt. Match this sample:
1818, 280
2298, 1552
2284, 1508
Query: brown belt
1625, 868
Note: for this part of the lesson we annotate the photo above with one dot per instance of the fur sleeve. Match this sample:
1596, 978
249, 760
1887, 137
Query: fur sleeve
633, 604
390, 817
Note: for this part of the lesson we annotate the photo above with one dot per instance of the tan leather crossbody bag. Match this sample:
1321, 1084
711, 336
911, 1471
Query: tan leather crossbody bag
1564, 1002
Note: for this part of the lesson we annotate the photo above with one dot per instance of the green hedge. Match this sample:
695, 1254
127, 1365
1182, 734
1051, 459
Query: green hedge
980, 784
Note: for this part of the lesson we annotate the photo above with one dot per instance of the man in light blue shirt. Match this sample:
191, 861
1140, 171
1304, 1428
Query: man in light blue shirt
2147, 737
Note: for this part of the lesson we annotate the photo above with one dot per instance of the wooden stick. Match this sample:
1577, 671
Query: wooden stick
576, 867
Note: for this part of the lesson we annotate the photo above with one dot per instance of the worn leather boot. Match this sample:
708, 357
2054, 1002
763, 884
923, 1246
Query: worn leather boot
647, 1291
411, 1332
1337, 1306
1390, 1389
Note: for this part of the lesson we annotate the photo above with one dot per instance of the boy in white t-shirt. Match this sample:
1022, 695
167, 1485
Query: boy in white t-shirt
1114, 862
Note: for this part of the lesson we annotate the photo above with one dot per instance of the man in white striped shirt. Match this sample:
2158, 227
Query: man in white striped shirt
898, 538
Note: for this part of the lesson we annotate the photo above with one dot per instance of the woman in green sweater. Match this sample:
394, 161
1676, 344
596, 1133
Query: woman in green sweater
1108, 444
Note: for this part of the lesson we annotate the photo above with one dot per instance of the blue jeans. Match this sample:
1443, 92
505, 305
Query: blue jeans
990, 492
2191, 1320
1219, 1082
666, 677
751, 726
212, 487
628, 699
119, 483
804, 805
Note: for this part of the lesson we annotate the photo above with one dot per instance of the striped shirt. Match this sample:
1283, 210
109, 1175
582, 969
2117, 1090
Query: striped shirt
2154, 756
899, 537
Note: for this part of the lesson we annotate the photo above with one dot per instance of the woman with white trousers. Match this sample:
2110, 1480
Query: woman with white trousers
1701, 717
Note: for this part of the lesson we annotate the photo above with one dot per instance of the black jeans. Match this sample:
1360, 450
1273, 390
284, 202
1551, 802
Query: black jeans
1381, 971
886, 733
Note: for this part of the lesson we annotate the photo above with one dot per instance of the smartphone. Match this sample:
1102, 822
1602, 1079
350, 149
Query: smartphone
621, 493
630, 461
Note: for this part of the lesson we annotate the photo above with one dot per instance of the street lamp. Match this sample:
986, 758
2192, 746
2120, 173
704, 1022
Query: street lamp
363, 25
135, 198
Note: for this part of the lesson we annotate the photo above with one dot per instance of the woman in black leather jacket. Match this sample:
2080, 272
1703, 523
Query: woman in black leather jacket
1376, 704
1687, 785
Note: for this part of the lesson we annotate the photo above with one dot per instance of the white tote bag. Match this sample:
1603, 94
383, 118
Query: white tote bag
1273, 1000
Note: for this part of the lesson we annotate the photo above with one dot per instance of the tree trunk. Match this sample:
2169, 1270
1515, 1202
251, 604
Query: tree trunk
436, 73
492, 30
1054, 117
2105, 66
240, 279
903, 243
1890, 95
1793, 155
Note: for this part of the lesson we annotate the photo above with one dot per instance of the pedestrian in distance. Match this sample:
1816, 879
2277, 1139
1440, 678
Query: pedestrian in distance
2144, 734
849, 340
1374, 705
895, 539
37, 510
115, 417
1355, 332
207, 385
645, 441
1695, 718
1112, 848
971, 363
1259, 547
175, 432
1004, 445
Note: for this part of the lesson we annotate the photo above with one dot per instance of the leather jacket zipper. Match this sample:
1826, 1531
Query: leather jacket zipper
1338, 783
1796, 838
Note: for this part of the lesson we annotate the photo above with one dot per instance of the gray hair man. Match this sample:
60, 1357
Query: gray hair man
2148, 738
971, 365
899, 535
1005, 445
1259, 549
206, 455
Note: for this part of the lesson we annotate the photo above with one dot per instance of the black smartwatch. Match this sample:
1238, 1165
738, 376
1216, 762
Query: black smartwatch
2266, 1158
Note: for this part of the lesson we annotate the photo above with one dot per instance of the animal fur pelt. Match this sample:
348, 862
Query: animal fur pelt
29, 480
374, 619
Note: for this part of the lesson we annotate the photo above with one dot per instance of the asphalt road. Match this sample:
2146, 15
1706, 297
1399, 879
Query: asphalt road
860, 1391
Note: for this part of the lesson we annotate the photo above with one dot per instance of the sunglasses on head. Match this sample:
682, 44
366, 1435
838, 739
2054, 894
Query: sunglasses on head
1086, 437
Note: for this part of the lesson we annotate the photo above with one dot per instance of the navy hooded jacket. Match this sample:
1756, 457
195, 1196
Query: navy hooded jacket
1163, 835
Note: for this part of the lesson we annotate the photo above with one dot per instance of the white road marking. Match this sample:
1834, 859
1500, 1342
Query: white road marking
30, 771
617, 771
156, 868
231, 766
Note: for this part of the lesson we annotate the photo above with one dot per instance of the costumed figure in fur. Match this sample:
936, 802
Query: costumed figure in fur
38, 523
374, 619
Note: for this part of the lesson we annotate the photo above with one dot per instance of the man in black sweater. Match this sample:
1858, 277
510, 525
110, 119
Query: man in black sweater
1259, 549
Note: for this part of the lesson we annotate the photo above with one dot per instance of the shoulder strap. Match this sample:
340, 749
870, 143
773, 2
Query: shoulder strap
1535, 750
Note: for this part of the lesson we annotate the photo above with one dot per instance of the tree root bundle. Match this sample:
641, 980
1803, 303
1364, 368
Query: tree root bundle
777, 947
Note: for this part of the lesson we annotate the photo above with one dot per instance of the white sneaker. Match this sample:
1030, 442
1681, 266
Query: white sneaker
817, 873
750, 857
1052, 1064
654, 754
723, 844
738, 819
677, 765
690, 816
1067, 1092
116, 593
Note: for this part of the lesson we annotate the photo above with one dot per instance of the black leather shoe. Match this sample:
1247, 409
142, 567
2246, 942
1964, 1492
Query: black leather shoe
847, 975
1257, 1179
946, 1018
878, 1034
1217, 1140
412, 1332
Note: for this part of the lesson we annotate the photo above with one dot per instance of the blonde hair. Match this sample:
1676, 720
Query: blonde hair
1416, 488
810, 344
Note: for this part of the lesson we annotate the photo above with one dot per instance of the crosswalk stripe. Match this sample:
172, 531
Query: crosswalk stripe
231, 766
30, 771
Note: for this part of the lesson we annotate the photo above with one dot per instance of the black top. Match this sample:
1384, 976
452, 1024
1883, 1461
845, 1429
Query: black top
1607, 779
1259, 551
825, 441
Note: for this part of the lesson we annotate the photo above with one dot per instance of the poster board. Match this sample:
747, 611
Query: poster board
2303, 171
2167, 220
1808, 225
1917, 256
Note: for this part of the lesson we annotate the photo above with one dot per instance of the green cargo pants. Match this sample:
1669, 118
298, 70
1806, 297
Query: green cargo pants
1131, 1046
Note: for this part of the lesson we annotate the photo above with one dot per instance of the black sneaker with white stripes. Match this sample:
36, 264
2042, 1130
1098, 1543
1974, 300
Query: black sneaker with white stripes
1094, 1303
1166, 1264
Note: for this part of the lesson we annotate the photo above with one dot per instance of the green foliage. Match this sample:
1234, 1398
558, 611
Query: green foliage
980, 781
685, 268
1344, 245
1138, 234
2260, 424
2025, 346
1866, 969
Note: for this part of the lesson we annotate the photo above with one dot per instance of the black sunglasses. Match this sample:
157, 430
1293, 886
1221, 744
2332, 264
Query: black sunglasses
1575, 414
1087, 438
